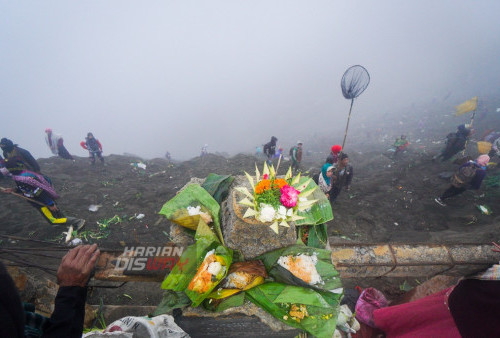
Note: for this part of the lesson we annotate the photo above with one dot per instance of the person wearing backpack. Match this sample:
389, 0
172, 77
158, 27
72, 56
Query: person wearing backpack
270, 149
469, 175
455, 142
296, 155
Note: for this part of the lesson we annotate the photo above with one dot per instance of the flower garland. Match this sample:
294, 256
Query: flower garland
274, 199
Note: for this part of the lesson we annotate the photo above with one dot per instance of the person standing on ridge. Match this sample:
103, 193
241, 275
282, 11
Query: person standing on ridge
296, 154
94, 147
56, 144
334, 154
270, 149
342, 176
18, 158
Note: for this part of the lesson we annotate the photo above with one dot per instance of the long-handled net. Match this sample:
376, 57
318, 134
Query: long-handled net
354, 82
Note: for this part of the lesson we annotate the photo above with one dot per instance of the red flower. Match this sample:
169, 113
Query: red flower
289, 196
265, 176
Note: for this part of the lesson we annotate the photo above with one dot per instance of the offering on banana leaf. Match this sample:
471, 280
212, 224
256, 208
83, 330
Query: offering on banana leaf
201, 266
303, 266
241, 276
211, 271
191, 204
310, 310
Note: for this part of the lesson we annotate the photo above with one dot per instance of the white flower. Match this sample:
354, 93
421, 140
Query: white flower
281, 212
267, 213
289, 212
302, 199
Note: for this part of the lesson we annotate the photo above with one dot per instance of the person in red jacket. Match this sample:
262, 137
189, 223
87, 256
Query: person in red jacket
94, 147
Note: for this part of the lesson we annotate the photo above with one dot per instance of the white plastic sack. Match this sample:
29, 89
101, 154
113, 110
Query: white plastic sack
137, 327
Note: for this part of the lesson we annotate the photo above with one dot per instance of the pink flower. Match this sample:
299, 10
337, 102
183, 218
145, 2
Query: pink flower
265, 176
289, 196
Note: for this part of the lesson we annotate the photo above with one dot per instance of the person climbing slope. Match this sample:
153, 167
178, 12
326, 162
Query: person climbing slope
18, 158
37, 189
94, 147
56, 144
469, 175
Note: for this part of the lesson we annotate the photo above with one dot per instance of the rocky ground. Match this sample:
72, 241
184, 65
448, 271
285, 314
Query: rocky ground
389, 201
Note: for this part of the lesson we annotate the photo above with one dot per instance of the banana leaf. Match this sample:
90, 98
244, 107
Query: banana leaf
241, 276
219, 305
171, 300
183, 272
282, 301
199, 288
321, 211
193, 195
317, 236
218, 186
182, 276
329, 275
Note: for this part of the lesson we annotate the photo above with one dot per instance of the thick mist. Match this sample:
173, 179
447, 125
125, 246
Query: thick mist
147, 77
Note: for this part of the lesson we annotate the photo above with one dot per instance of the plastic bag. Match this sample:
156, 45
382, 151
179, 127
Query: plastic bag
370, 300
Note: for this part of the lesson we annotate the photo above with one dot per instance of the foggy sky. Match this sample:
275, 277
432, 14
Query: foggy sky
151, 76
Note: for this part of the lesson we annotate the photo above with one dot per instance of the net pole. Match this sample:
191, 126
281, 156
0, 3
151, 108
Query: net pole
347, 125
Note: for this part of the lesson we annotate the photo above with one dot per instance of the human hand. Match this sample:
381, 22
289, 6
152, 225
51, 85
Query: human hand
53, 207
77, 265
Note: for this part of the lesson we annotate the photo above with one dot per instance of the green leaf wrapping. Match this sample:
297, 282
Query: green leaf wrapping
190, 261
193, 195
218, 186
227, 256
321, 211
171, 300
278, 298
324, 266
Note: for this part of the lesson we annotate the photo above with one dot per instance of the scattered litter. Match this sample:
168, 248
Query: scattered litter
388, 166
146, 226
140, 216
171, 177
138, 165
484, 209
405, 286
75, 242
436, 142
69, 234
158, 173
396, 223
116, 203
417, 141
128, 296
122, 243
94, 207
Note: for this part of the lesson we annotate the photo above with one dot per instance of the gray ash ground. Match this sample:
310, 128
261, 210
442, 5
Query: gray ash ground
390, 201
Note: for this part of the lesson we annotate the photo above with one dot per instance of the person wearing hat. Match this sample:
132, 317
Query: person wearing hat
18, 158
469, 175
56, 144
94, 147
296, 153
455, 142
342, 176
334, 154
